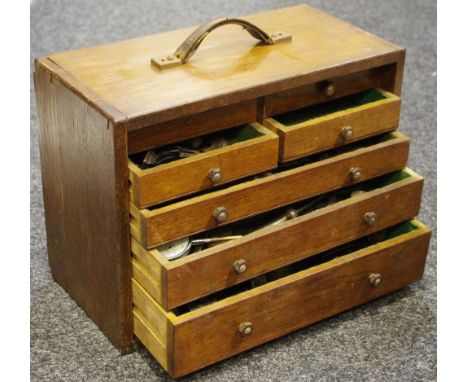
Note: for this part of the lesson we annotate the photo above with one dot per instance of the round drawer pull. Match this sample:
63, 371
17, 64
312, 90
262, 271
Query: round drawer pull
240, 266
347, 133
375, 279
245, 328
370, 218
329, 89
355, 173
220, 214
215, 175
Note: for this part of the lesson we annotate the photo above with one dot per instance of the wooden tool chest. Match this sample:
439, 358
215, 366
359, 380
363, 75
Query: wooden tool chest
209, 198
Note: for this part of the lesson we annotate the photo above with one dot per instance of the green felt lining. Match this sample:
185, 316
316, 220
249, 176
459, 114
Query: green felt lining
400, 229
315, 111
241, 134
384, 180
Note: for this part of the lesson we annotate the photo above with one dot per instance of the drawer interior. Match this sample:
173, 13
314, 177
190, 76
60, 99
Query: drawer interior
315, 111
347, 250
194, 147
278, 216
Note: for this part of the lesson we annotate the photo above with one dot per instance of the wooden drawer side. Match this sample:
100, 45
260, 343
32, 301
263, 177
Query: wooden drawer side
212, 333
152, 326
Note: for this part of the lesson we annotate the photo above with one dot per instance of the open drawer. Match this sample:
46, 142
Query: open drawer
197, 335
334, 123
386, 201
248, 150
348, 165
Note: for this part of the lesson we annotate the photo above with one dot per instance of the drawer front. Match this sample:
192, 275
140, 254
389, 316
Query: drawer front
211, 270
198, 214
185, 176
323, 91
318, 133
240, 322
180, 129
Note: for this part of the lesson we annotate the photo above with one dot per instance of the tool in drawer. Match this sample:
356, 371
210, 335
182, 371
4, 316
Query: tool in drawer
321, 258
185, 246
182, 247
198, 145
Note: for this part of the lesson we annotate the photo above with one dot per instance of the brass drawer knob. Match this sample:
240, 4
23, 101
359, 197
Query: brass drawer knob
245, 328
347, 133
215, 174
240, 266
370, 218
375, 279
220, 214
329, 89
355, 173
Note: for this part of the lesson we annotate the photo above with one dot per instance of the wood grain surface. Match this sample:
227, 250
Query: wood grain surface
197, 124
211, 270
314, 93
84, 176
295, 301
229, 67
194, 215
189, 175
322, 133
211, 333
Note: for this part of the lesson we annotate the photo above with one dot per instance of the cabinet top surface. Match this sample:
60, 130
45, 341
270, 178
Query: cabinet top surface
229, 66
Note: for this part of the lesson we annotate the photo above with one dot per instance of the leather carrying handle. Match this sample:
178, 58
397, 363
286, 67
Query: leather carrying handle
192, 42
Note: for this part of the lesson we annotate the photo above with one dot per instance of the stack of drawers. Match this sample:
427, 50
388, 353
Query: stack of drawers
309, 193
209, 304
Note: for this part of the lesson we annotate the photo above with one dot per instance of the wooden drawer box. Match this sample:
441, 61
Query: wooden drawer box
364, 161
391, 199
253, 142
334, 123
189, 341
307, 116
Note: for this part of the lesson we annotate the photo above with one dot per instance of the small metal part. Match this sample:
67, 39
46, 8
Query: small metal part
209, 240
196, 143
329, 89
357, 193
155, 158
291, 214
215, 143
220, 214
175, 249
347, 133
240, 266
215, 174
245, 328
370, 218
355, 173
182, 247
375, 279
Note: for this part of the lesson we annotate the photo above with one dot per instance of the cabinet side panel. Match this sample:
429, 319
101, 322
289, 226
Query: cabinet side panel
83, 164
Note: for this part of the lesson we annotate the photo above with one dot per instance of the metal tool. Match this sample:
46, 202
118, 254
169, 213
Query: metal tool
155, 158
182, 247
292, 213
